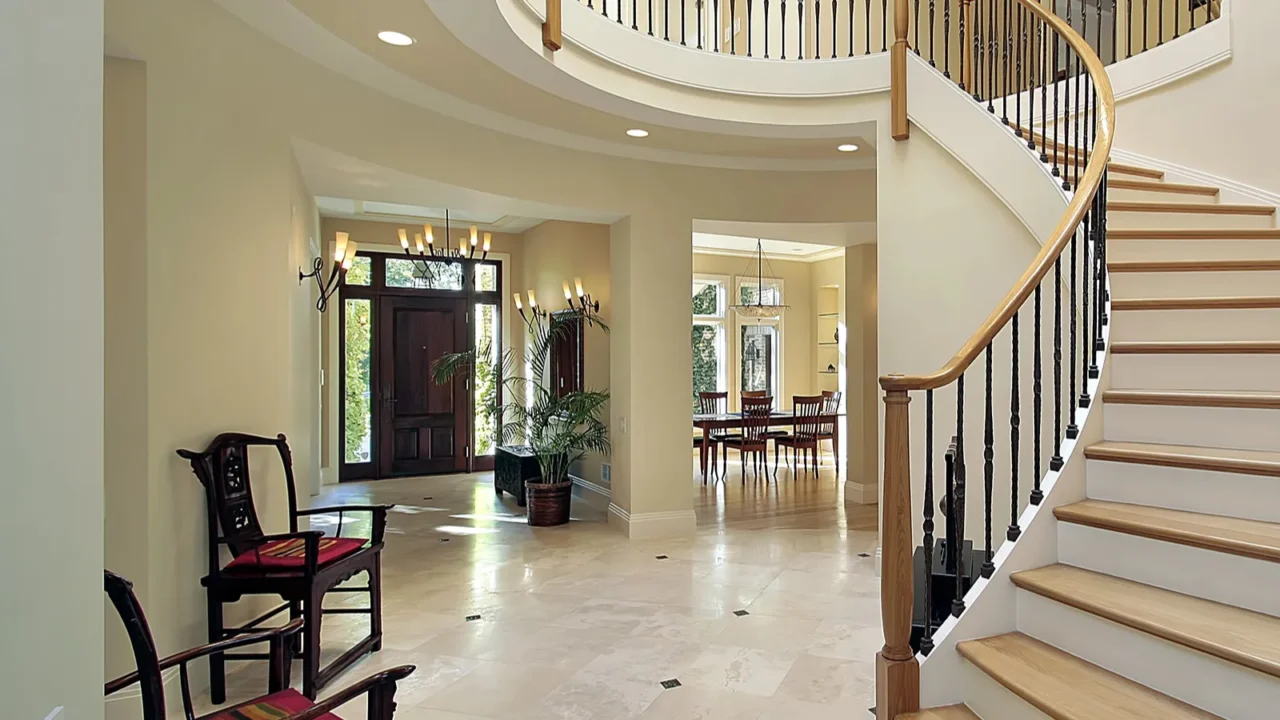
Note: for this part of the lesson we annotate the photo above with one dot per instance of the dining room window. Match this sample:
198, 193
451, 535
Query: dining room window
759, 347
708, 337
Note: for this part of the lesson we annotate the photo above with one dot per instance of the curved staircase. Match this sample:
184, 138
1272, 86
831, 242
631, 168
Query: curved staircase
1165, 600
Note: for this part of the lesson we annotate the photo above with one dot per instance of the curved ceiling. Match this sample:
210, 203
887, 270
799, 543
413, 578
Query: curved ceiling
441, 73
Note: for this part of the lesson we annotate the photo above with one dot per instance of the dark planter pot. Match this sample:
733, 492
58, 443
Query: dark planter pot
548, 502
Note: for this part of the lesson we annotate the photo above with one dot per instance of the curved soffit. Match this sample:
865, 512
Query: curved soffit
341, 36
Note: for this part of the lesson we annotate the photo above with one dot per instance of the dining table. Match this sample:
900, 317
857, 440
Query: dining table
708, 422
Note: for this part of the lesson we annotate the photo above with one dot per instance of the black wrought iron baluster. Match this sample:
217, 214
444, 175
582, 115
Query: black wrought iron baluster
1021, 81
800, 30
1193, 16
684, 23
977, 50
1073, 431
1079, 119
1128, 29
766, 28
1055, 462
993, 56
867, 30
666, 20
1086, 284
916, 18
749, 26
1015, 409
591, 5
1160, 26
698, 9
884, 25
1099, 33
1008, 33
834, 40
933, 34
715, 13
1054, 78
1042, 29
926, 641
1146, 25
619, 12
784, 29
957, 511
635, 16
1036, 494
1065, 136
817, 29
988, 470
964, 47
1177, 19
733, 35
1115, 31
853, 10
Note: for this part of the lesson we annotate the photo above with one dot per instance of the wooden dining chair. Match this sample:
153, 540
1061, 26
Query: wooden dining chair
827, 430
713, 403
805, 427
756, 415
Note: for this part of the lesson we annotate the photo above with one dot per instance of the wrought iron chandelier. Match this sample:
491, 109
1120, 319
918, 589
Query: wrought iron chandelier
429, 250
759, 310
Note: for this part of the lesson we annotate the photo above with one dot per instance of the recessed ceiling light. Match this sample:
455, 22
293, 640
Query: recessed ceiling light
638, 133
848, 147
391, 37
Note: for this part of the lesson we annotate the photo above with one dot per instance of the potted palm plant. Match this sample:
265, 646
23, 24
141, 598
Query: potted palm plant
559, 428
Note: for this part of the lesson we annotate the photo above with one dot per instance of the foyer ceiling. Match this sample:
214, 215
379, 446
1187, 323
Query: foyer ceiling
326, 29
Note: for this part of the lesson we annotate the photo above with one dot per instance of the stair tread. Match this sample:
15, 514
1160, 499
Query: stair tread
950, 712
1193, 234
1197, 303
1235, 536
1223, 347
1167, 266
1065, 687
1191, 208
1125, 168
1243, 637
1194, 398
1243, 462
1156, 186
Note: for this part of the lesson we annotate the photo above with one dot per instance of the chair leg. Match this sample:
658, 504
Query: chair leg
311, 615
375, 603
217, 662
775, 459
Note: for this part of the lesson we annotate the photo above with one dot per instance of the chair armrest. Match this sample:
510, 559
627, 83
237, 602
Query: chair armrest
381, 689
379, 517
273, 635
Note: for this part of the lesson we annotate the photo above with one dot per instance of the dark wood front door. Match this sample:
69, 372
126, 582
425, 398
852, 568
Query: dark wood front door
423, 426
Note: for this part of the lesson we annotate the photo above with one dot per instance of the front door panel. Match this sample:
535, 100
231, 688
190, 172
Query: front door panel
424, 426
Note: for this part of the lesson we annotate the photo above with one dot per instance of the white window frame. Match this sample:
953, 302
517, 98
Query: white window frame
780, 399
720, 321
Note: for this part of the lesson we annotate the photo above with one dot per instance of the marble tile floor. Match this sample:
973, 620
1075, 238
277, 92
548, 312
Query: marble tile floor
579, 622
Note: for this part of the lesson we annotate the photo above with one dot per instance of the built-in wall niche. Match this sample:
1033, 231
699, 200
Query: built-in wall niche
828, 328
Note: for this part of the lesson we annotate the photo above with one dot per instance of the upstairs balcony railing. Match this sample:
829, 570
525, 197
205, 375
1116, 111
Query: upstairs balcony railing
832, 29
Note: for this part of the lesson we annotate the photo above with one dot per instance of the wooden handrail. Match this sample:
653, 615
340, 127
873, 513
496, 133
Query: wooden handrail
897, 669
1062, 234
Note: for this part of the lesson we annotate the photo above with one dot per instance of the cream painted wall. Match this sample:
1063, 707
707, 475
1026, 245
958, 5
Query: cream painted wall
862, 399
127, 515
797, 322
1216, 121
305, 349
51, 364
557, 251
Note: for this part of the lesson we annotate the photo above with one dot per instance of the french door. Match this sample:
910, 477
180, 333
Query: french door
422, 426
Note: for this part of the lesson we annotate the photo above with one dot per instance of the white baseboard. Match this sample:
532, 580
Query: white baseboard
862, 493
647, 526
597, 496
1259, 195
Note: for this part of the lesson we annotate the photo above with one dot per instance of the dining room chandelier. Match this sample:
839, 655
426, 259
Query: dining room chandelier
759, 310
428, 249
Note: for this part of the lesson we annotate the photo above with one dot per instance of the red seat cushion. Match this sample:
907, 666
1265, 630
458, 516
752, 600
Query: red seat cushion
271, 707
291, 553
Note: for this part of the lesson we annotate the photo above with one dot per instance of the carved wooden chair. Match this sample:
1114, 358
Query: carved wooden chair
756, 415
805, 430
299, 567
281, 702
827, 431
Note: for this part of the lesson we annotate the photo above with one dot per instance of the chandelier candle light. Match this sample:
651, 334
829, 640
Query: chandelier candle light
344, 253
759, 310
467, 245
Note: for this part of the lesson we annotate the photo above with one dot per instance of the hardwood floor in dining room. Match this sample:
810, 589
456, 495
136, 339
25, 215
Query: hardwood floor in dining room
804, 500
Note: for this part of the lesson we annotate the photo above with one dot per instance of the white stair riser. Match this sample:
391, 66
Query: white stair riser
1226, 373
1252, 497
1193, 325
1194, 284
1122, 219
1127, 195
1158, 249
1201, 680
990, 700
1207, 574
1235, 428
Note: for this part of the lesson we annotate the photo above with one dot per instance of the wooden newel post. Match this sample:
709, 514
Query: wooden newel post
551, 33
897, 670
898, 72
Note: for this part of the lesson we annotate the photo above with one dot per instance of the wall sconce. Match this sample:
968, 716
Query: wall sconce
534, 312
584, 298
344, 254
